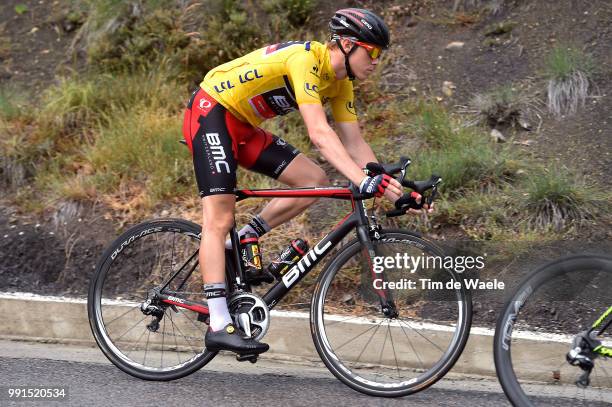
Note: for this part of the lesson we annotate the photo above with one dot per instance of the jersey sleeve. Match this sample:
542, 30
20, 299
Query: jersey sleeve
342, 105
303, 70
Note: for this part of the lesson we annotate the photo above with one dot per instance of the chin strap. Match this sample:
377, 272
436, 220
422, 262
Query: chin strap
349, 71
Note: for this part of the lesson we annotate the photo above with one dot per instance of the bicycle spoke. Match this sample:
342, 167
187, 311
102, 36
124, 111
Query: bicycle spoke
420, 334
399, 375
161, 362
369, 340
172, 256
184, 336
134, 346
124, 314
383, 347
412, 347
144, 359
351, 340
193, 323
343, 320
178, 354
133, 326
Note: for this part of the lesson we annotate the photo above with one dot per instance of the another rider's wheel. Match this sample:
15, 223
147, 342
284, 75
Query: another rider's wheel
149, 339
384, 354
536, 331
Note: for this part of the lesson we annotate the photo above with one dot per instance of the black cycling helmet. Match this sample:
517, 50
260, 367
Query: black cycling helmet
360, 25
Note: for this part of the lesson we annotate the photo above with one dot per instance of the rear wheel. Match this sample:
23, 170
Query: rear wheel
150, 340
388, 355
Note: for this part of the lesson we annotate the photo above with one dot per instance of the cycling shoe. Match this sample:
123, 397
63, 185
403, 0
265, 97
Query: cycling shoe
233, 339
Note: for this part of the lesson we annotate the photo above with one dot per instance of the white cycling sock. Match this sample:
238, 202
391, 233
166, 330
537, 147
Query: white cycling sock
257, 225
217, 306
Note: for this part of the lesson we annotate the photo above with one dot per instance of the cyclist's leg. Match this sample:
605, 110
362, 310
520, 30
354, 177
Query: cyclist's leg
301, 172
215, 169
274, 157
218, 219
214, 158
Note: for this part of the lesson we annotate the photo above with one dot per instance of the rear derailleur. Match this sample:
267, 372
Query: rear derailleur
582, 355
151, 307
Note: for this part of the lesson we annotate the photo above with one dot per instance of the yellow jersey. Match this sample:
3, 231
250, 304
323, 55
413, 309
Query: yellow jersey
275, 79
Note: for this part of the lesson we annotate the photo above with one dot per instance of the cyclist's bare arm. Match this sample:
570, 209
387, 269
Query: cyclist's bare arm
327, 141
358, 149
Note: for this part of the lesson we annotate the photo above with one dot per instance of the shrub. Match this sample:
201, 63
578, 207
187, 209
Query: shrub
556, 199
492, 6
505, 105
141, 146
475, 165
434, 125
77, 107
126, 35
569, 72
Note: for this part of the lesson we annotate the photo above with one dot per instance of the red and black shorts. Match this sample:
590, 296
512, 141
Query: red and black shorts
219, 142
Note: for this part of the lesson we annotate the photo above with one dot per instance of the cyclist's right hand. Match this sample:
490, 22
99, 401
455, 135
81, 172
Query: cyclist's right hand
418, 198
374, 186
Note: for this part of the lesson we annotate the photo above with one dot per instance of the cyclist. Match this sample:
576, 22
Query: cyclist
221, 130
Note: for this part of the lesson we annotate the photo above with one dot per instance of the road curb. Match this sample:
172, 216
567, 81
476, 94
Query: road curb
31, 317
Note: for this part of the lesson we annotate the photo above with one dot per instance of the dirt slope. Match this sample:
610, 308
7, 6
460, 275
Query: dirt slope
58, 257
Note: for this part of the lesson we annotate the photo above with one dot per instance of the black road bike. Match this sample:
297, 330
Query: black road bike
555, 332
147, 314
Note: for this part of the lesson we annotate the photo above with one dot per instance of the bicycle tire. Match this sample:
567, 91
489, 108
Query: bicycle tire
128, 243
340, 369
530, 288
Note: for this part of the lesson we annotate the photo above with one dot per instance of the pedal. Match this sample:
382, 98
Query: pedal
250, 357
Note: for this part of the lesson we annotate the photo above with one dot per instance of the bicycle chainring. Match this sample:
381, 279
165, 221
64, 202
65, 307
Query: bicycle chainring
250, 309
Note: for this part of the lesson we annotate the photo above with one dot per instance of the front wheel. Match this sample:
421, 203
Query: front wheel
377, 353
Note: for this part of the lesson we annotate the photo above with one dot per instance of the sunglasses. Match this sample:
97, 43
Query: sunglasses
373, 50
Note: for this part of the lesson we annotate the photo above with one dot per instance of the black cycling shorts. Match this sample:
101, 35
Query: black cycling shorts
219, 142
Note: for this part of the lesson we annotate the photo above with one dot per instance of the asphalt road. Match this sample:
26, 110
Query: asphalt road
91, 380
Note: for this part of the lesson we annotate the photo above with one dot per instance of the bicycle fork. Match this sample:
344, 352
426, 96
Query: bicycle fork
385, 296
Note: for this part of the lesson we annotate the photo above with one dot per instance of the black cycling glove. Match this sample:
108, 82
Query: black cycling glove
374, 186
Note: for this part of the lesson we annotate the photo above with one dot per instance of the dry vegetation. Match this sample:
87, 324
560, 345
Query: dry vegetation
110, 135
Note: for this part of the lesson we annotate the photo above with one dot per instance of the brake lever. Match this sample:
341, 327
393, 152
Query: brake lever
405, 162
432, 196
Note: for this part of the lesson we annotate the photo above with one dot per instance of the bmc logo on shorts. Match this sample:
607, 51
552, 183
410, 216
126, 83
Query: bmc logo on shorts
218, 153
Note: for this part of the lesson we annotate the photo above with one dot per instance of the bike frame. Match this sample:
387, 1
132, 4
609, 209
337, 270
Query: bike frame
599, 325
356, 219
